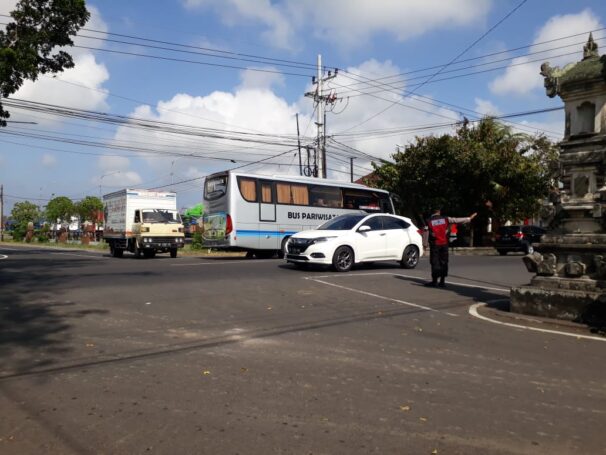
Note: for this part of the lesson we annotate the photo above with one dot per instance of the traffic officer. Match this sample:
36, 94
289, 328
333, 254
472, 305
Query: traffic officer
439, 233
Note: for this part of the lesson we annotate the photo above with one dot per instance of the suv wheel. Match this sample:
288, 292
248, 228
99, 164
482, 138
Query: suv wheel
410, 257
343, 259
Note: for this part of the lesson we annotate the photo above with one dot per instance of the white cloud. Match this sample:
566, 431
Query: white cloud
48, 160
260, 80
256, 108
520, 78
78, 87
486, 107
346, 22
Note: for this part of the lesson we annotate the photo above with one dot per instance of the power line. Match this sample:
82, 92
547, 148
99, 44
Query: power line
446, 65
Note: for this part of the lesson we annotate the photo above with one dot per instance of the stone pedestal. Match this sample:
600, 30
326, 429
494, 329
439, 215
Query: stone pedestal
570, 262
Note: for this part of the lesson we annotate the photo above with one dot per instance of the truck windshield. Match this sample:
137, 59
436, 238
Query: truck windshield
161, 216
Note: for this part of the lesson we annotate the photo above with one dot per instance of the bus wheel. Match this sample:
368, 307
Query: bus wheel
250, 255
343, 259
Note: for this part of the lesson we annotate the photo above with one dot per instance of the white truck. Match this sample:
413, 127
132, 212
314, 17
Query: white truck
142, 222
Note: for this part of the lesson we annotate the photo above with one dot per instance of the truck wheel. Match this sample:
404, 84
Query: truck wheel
115, 252
173, 253
149, 254
137, 251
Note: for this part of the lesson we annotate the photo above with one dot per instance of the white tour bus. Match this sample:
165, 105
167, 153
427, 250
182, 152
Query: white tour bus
258, 213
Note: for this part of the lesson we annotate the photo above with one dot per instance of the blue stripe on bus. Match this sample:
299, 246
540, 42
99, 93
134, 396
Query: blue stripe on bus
253, 233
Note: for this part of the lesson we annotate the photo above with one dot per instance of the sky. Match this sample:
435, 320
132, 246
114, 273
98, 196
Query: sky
178, 89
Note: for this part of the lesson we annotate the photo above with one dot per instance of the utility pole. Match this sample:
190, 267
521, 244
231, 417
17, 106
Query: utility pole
319, 101
351, 173
299, 145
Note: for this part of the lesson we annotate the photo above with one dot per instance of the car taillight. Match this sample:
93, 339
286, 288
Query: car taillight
420, 231
229, 226
519, 235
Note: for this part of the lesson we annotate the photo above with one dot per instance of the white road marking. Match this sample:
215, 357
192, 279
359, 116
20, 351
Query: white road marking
382, 297
457, 283
3, 256
235, 261
80, 255
473, 310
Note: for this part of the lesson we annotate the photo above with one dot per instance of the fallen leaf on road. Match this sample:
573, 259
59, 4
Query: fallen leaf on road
435, 451
404, 408
206, 372
90, 345
243, 370
422, 419
269, 308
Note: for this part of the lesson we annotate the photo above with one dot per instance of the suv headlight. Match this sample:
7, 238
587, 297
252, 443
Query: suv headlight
322, 239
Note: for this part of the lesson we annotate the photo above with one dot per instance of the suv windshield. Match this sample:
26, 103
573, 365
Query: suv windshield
342, 223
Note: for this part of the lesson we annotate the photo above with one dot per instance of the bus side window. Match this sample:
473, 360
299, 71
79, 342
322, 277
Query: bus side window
266, 196
296, 194
248, 189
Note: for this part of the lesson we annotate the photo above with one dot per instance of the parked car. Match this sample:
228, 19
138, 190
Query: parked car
354, 238
517, 238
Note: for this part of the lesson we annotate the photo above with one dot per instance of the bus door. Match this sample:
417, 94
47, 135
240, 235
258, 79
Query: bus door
267, 201
267, 216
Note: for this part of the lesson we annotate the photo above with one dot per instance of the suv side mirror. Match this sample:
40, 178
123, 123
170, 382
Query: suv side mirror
364, 228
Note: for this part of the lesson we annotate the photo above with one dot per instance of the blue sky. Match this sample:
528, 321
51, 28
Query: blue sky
262, 57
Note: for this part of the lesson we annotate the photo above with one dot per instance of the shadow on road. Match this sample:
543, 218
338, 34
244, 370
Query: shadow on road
477, 294
36, 326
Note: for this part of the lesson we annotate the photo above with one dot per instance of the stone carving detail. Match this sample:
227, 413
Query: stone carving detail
580, 186
600, 266
575, 269
551, 80
544, 265
591, 48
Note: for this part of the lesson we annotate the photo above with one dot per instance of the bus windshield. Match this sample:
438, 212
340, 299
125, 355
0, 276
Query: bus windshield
215, 187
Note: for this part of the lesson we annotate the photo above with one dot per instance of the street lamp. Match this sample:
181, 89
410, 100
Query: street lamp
101, 181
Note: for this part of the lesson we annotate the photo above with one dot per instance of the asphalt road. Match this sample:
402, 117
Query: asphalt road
235, 356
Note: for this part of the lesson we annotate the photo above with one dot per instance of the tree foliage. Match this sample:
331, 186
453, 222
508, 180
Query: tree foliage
60, 209
486, 168
25, 212
88, 208
31, 43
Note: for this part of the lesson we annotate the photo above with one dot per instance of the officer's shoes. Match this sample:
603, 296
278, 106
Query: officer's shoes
442, 284
430, 284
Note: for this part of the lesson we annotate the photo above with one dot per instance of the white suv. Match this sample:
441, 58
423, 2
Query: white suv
353, 238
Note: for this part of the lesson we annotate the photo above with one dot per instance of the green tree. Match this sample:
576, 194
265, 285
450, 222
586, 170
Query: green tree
60, 208
88, 208
461, 172
24, 213
31, 43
